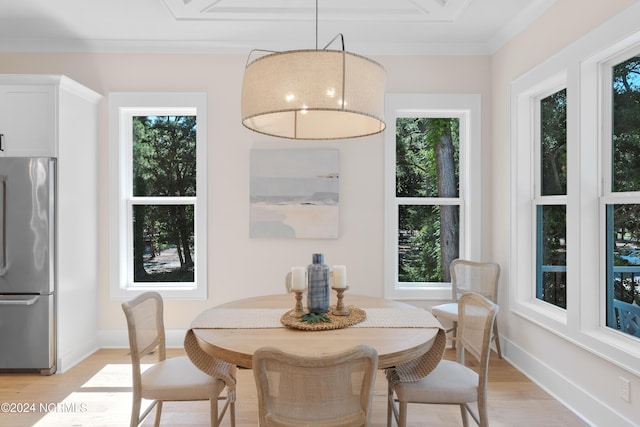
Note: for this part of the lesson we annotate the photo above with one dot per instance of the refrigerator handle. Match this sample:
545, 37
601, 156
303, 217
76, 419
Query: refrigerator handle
29, 301
1, 141
3, 225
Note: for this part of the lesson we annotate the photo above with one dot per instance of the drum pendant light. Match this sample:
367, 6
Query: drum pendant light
313, 94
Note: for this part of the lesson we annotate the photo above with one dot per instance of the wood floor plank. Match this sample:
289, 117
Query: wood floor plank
97, 393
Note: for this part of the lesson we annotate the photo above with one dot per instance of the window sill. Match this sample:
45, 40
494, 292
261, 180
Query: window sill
615, 347
168, 292
424, 293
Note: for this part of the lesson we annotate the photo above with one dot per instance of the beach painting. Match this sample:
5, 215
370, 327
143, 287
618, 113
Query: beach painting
294, 194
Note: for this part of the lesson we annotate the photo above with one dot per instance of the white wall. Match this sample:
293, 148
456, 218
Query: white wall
240, 266
575, 375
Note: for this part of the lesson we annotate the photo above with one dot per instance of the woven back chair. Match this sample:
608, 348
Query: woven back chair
470, 276
173, 379
330, 391
451, 382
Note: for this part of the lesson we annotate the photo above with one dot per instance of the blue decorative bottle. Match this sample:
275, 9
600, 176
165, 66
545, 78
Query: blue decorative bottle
318, 280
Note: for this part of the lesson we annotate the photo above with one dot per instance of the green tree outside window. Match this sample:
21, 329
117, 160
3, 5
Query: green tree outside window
551, 219
427, 169
164, 165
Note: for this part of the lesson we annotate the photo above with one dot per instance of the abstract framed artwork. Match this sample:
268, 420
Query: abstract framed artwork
294, 194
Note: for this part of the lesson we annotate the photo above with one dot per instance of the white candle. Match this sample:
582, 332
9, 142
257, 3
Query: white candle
340, 276
298, 278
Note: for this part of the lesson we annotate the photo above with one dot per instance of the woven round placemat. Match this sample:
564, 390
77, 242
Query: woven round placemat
356, 315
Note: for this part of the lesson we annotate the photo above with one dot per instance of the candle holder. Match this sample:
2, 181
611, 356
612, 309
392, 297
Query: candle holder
298, 311
340, 309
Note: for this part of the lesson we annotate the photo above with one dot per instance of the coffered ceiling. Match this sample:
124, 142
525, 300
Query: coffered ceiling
237, 26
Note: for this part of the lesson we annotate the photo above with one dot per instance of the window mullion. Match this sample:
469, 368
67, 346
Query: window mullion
178, 200
427, 201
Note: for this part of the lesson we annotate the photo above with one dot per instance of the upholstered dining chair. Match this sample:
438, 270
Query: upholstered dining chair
470, 276
326, 390
173, 379
452, 382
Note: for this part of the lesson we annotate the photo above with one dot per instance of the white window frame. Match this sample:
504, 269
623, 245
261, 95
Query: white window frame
609, 197
605, 68
467, 108
526, 139
582, 66
123, 106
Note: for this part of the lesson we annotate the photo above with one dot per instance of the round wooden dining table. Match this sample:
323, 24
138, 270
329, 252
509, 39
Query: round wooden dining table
395, 345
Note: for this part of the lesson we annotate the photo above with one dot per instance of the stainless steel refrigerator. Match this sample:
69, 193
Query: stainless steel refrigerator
27, 264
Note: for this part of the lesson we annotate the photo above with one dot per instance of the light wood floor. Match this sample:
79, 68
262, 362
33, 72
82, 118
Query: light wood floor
97, 393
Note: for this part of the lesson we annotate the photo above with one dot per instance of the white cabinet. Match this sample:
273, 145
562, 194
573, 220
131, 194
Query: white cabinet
37, 111
54, 116
27, 121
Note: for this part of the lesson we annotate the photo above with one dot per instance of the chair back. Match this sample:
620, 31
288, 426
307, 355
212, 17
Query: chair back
146, 328
327, 390
471, 276
476, 316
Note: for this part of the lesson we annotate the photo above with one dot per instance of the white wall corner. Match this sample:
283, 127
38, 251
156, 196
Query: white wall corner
71, 358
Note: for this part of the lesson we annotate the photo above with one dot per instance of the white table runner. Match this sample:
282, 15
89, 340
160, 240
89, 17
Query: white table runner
252, 318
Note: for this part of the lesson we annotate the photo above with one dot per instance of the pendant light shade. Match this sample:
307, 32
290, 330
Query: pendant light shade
314, 94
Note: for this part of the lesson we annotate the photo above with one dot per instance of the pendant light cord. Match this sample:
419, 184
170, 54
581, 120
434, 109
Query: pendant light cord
333, 39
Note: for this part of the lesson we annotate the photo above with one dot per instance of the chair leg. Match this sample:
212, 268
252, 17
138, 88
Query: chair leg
454, 334
483, 415
465, 416
389, 404
217, 415
232, 413
135, 411
136, 417
402, 419
158, 413
213, 412
496, 338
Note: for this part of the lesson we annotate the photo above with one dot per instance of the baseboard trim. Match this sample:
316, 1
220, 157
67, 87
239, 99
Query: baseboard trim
117, 338
591, 410
72, 358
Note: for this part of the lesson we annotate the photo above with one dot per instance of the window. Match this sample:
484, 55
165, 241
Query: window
540, 191
622, 193
593, 86
432, 191
158, 153
550, 200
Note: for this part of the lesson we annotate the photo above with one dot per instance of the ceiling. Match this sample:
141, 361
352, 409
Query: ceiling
237, 26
